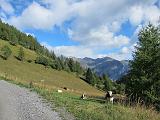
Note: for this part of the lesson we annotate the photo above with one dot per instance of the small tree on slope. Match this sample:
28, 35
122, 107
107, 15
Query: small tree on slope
21, 54
90, 77
5, 52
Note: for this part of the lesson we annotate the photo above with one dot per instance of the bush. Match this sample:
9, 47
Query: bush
21, 54
42, 60
29, 61
119, 88
5, 52
13, 42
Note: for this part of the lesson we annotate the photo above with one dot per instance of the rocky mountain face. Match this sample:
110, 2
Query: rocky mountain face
113, 68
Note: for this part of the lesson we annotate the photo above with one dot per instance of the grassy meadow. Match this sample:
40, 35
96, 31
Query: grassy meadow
90, 108
38, 74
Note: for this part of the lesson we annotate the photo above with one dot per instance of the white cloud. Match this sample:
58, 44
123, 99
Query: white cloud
100, 38
70, 33
125, 50
3, 16
98, 22
6, 6
30, 34
152, 14
124, 53
34, 16
38, 17
74, 51
114, 26
103, 38
71, 51
89, 14
144, 14
95, 24
136, 15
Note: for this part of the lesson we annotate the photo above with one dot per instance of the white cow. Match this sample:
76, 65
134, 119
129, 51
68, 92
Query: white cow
83, 96
111, 99
109, 96
59, 91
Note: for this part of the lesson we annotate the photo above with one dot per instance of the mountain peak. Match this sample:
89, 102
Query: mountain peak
106, 65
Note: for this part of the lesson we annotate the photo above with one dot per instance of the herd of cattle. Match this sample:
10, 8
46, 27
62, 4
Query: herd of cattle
108, 97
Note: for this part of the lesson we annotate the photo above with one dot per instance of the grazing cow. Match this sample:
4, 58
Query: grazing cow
109, 96
59, 91
65, 88
111, 99
83, 96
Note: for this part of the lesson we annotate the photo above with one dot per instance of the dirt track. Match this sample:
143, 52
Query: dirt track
18, 103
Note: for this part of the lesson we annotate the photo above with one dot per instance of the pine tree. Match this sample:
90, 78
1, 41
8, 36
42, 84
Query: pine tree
144, 77
107, 83
21, 54
13, 40
58, 64
53, 56
90, 77
78, 68
71, 65
66, 67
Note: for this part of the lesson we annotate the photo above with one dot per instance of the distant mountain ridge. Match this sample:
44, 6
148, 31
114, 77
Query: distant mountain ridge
106, 65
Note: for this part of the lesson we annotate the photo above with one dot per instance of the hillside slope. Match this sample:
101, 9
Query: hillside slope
26, 72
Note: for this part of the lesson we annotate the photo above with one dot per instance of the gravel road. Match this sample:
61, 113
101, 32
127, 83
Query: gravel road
18, 103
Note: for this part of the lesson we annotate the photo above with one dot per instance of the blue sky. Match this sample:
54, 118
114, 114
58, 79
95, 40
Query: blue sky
83, 28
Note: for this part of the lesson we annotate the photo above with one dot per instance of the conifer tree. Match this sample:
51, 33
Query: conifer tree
13, 40
107, 83
21, 54
71, 65
144, 76
58, 64
78, 68
90, 77
53, 56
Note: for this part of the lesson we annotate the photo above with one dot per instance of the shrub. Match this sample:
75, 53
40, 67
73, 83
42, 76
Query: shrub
5, 52
29, 61
21, 54
42, 60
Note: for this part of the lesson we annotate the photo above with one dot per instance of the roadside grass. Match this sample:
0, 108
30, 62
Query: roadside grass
46, 81
91, 109
38, 74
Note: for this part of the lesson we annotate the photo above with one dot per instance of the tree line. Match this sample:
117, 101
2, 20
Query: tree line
67, 64
45, 57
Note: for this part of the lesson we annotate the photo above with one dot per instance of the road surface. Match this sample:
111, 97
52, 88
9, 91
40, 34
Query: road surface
18, 103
